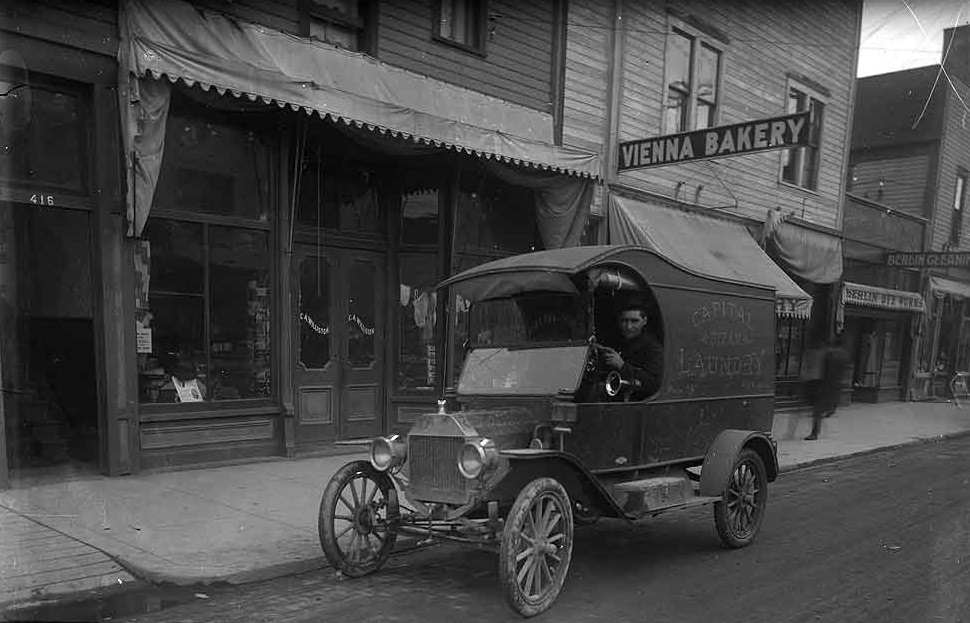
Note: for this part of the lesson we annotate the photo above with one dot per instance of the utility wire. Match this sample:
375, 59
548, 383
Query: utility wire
942, 68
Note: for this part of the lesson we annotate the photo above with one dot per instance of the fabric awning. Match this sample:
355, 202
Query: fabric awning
882, 298
706, 245
809, 254
175, 39
940, 286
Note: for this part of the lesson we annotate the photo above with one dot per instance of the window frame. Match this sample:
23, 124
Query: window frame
153, 411
699, 39
157, 412
68, 196
479, 47
958, 205
362, 24
811, 94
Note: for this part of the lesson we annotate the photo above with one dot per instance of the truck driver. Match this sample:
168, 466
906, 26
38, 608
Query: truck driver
637, 356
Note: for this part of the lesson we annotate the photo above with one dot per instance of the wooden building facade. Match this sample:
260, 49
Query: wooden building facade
911, 154
659, 68
274, 292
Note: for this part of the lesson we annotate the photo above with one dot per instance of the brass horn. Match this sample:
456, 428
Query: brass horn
616, 384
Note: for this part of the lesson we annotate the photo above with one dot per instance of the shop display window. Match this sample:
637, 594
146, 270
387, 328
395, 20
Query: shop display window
203, 313
419, 218
789, 347
339, 194
495, 218
417, 364
214, 168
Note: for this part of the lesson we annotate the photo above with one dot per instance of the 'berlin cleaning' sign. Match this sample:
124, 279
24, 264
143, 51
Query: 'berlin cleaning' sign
728, 140
939, 259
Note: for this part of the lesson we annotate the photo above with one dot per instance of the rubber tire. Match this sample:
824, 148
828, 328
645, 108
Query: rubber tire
511, 537
328, 505
729, 537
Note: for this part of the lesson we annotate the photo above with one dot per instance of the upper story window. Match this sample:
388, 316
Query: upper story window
462, 23
959, 199
693, 70
338, 22
800, 165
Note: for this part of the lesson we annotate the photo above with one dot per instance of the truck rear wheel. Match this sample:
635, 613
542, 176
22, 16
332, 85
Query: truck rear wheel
739, 514
537, 545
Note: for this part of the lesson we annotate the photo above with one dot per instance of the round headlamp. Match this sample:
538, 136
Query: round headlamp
387, 452
477, 458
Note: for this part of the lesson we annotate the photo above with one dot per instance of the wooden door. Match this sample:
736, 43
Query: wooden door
338, 344
362, 387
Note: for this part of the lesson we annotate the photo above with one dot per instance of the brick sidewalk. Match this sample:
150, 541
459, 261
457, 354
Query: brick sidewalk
40, 563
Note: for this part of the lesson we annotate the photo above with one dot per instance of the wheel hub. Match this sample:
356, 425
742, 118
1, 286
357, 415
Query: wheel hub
364, 520
542, 547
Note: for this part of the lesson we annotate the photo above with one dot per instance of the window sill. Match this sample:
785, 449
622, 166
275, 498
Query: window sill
468, 49
799, 188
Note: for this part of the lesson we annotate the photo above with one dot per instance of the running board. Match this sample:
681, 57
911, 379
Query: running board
653, 494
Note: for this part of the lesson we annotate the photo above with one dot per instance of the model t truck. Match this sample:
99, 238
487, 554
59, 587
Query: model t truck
539, 438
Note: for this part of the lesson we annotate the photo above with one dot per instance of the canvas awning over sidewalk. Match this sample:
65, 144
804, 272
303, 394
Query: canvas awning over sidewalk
705, 245
174, 39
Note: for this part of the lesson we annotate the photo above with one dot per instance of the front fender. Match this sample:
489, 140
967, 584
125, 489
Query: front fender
722, 454
526, 465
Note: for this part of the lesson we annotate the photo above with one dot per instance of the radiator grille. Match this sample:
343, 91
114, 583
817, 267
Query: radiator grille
433, 464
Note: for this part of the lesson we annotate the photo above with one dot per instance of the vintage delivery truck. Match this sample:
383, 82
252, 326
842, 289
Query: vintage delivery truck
539, 437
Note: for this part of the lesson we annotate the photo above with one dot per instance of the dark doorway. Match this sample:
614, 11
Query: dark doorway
47, 349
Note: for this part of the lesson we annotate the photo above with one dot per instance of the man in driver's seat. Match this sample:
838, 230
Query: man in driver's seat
638, 357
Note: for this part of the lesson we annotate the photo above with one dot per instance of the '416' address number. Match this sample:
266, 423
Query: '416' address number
43, 200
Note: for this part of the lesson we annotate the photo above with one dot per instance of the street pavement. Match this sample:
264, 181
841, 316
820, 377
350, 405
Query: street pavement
243, 523
878, 538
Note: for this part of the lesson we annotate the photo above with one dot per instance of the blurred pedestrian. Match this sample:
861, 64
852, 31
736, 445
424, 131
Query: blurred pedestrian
828, 388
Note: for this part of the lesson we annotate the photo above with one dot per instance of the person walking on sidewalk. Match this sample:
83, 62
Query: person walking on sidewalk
828, 386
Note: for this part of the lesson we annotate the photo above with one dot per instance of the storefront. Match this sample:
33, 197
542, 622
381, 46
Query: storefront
58, 188
885, 320
945, 349
877, 324
286, 241
813, 260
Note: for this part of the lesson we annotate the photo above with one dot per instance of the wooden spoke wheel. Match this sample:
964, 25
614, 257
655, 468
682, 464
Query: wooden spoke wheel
739, 514
537, 545
359, 506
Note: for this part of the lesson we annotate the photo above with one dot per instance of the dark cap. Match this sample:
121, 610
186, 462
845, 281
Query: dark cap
636, 302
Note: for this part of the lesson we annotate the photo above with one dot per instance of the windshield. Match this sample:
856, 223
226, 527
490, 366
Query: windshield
536, 317
525, 371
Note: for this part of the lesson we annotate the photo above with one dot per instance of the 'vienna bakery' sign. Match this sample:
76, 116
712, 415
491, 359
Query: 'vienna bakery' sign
728, 140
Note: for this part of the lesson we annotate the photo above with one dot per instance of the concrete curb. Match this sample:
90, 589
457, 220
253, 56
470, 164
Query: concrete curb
841, 457
147, 579
320, 562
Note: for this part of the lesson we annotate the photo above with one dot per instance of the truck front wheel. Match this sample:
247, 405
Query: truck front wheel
537, 545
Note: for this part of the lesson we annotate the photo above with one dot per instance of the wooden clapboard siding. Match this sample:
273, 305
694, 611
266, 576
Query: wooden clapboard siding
954, 154
767, 43
904, 180
88, 25
277, 14
516, 66
588, 57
